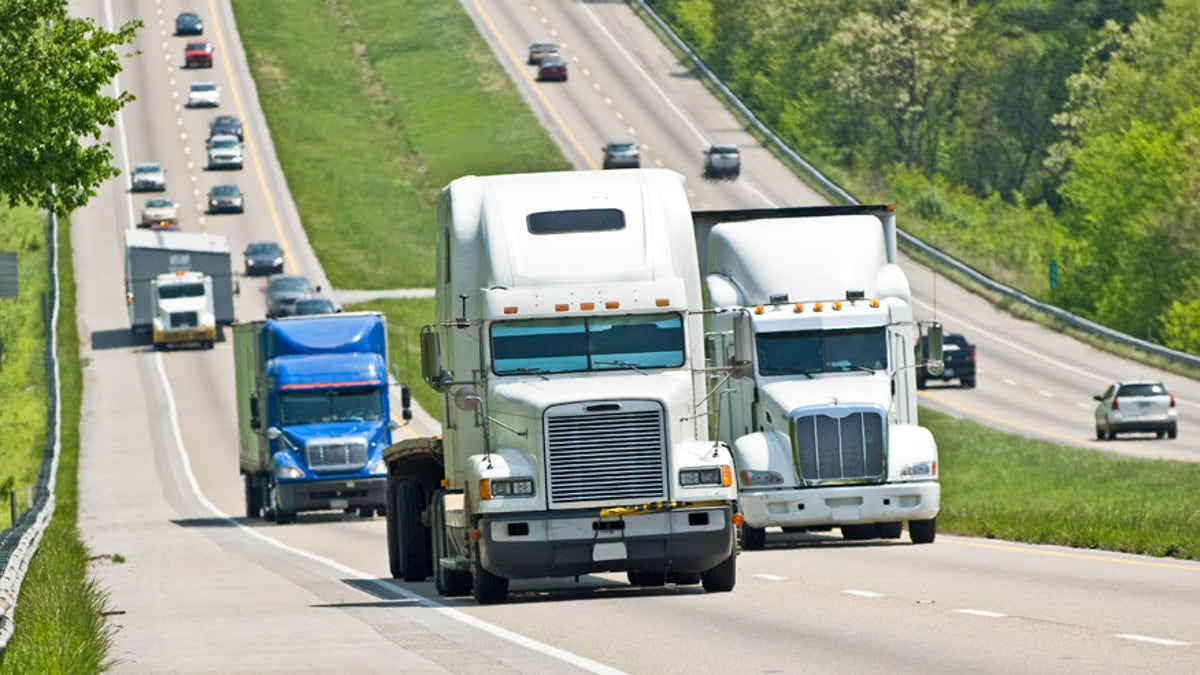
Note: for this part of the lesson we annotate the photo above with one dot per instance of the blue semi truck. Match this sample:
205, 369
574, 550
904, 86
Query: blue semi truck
313, 414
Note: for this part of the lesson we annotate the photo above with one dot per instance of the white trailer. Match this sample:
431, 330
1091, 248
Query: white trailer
823, 427
151, 253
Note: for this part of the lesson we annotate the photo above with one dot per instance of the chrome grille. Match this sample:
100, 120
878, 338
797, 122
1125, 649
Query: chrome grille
840, 449
184, 319
336, 455
617, 454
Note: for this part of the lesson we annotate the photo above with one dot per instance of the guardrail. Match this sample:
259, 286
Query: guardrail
19, 542
824, 183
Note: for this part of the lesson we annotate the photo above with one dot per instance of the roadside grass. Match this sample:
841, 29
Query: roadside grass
59, 622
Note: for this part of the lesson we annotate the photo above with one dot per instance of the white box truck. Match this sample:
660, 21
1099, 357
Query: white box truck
568, 351
823, 425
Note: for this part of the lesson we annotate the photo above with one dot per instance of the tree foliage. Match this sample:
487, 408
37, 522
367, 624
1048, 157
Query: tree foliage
52, 107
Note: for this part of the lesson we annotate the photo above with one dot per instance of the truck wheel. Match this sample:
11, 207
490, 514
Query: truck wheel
723, 577
646, 578
922, 531
968, 383
450, 583
858, 532
393, 537
753, 538
282, 516
920, 383
889, 530
413, 535
254, 498
489, 588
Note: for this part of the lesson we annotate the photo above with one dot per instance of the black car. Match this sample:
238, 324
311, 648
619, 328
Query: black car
226, 199
315, 305
263, 257
722, 162
189, 23
958, 355
225, 124
283, 290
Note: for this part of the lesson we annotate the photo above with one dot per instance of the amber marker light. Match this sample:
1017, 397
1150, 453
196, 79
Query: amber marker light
561, 307
510, 310
738, 519
587, 306
758, 309
798, 307
485, 488
818, 307
662, 302
874, 302
612, 304
726, 475
837, 305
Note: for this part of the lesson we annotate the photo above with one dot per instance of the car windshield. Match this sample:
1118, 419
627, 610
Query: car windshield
1143, 389
264, 248
810, 352
360, 404
159, 203
225, 143
225, 190
204, 86
289, 285
621, 147
197, 46
147, 168
587, 343
314, 306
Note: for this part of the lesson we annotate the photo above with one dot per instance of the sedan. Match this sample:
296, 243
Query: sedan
189, 23
160, 214
226, 199
621, 155
148, 176
263, 257
316, 305
224, 152
203, 95
552, 68
198, 54
283, 290
1137, 405
225, 124
539, 51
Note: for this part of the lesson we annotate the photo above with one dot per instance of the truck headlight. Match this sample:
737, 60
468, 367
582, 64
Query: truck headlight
505, 487
286, 472
919, 470
760, 477
709, 475
378, 467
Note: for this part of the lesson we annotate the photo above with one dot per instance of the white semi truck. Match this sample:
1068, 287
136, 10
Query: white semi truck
823, 425
179, 286
183, 310
569, 350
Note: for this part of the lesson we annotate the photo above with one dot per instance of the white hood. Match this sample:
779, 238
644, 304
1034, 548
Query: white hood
831, 390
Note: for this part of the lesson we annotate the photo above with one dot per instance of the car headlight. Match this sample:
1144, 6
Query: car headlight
490, 488
288, 472
760, 477
926, 469
709, 475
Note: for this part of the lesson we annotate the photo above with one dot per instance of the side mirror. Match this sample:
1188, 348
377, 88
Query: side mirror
933, 349
406, 403
274, 433
466, 399
1097, 397
743, 342
431, 360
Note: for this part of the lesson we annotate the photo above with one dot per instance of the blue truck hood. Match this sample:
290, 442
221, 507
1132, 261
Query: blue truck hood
299, 434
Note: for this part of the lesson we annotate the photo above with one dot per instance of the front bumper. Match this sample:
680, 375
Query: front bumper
841, 505
331, 494
533, 545
205, 334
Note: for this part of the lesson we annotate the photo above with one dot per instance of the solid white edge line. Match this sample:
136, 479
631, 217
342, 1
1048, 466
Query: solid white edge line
1153, 640
771, 577
863, 594
982, 612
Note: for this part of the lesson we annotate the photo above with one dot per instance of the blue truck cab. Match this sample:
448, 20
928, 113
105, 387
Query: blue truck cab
313, 414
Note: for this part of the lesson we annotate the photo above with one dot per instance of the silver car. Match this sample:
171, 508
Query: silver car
224, 152
148, 176
722, 162
1138, 405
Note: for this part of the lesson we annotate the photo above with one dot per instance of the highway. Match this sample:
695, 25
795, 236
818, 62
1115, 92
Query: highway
198, 588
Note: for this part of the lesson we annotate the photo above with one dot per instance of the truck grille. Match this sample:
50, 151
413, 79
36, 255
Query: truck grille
841, 450
615, 454
336, 455
184, 319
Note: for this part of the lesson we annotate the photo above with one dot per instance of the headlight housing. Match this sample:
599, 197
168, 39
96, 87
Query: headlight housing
707, 475
286, 472
758, 478
490, 488
378, 468
926, 469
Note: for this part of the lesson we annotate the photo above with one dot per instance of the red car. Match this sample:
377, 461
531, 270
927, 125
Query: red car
553, 68
198, 54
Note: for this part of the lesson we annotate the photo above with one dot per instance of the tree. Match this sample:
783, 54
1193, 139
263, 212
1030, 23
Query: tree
51, 106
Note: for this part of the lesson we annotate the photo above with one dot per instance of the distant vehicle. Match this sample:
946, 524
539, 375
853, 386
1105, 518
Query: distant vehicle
198, 54
722, 161
540, 51
225, 199
958, 355
621, 155
224, 152
148, 176
318, 305
160, 213
225, 124
203, 95
283, 290
263, 257
189, 23
1138, 405
552, 68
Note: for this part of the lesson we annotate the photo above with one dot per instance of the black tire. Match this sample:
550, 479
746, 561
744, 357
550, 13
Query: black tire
1112, 434
859, 532
488, 588
366, 511
1173, 432
416, 560
889, 530
450, 583
1099, 433
646, 578
281, 516
395, 565
753, 538
922, 531
920, 383
254, 498
723, 577
1160, 433
968, 383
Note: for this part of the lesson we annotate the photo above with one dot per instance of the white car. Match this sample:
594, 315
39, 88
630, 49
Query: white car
1138, 405
148, 176
224, 152
203, 95
160, 214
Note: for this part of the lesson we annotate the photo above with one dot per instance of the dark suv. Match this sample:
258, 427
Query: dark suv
959, 356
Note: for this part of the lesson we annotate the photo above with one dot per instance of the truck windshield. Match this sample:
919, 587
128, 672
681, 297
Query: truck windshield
181, 291
330, 405
587, 343
809, 352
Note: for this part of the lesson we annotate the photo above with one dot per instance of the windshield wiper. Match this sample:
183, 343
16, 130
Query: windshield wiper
620, 364
527, 371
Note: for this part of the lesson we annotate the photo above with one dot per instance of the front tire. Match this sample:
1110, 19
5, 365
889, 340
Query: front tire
489, 589
922, 531
753, 538
723, 577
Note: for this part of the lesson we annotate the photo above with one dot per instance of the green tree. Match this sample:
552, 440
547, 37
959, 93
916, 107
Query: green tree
51, 106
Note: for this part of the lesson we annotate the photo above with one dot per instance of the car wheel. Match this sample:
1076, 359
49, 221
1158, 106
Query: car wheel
920, 383
1172, 432
968, 383
1112, 434
1160, 433
1099, 433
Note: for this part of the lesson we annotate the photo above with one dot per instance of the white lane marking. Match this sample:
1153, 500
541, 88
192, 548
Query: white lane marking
387, 586
1153, 640
771, 577
981, 612
1009, 382
1045, 393
1086, 406
863, 594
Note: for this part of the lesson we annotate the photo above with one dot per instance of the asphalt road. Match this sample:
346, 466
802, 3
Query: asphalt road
202, 590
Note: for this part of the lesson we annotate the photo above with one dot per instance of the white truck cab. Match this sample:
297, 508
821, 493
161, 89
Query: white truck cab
183, 309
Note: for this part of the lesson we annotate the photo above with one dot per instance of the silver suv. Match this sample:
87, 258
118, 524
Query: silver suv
1138, 405
722, 162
